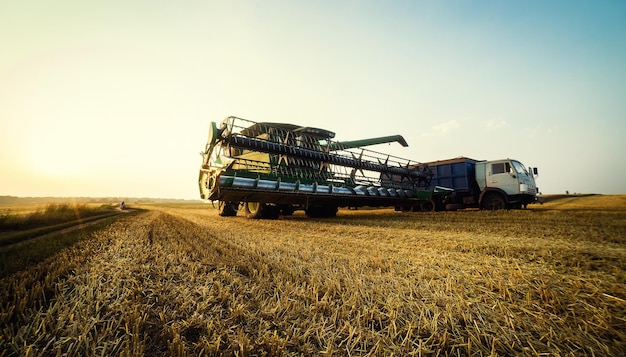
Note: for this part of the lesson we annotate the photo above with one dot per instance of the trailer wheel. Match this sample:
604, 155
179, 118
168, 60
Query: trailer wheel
228, 208
493, 202
258, 210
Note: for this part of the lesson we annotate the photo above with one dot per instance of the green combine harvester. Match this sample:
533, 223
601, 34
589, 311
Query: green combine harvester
273, 169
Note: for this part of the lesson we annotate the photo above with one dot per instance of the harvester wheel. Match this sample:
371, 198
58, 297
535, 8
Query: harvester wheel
258, 210
228, 209
253, 209
493, 201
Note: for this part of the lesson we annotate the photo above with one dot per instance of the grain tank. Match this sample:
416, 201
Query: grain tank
272, 169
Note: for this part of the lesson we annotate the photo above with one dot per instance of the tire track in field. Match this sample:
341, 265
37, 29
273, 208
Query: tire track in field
76, 227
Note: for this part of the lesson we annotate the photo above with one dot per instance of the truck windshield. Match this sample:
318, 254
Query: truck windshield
519, 168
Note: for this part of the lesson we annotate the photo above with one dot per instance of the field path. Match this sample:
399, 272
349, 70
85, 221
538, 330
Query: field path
78, 226
52, 230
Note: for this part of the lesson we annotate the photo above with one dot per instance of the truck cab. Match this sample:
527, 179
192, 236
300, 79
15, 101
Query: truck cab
505, 184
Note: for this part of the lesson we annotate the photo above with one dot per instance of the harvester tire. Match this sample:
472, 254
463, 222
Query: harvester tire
258, 210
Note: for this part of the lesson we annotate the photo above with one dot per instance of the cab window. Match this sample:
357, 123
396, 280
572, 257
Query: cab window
500, 168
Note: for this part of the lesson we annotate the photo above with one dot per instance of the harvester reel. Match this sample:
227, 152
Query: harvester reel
354, 170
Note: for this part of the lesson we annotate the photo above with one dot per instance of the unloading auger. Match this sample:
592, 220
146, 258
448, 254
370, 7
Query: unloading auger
275, 169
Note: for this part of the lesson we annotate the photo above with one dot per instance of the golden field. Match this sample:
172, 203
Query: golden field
180, 280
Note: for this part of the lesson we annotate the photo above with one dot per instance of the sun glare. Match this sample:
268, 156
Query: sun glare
58, 157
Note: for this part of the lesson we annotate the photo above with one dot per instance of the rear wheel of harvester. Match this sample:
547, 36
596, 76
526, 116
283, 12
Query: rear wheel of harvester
228, 208
493, 201
258, 210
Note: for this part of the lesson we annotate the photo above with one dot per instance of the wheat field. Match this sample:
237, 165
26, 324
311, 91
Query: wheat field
180, 280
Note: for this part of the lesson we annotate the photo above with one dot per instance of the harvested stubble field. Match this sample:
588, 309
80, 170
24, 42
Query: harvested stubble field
180, 280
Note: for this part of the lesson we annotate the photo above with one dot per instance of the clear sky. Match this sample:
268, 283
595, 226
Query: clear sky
114, 98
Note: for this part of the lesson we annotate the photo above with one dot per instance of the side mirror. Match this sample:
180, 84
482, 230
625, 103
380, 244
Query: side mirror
535, 171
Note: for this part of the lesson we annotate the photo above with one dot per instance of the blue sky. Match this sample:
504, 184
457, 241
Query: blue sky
114, 98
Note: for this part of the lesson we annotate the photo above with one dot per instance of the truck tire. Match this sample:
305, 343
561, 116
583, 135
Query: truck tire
427, 206
258, 210
493, 202
228, 208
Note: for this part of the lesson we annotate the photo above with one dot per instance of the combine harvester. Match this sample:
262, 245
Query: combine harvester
274, 169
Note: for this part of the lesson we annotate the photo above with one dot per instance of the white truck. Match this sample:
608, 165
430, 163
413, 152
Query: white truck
492, 185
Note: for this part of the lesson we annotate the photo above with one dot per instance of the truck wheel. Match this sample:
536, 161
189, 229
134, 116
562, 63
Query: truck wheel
427, 206
228, 208
493, 202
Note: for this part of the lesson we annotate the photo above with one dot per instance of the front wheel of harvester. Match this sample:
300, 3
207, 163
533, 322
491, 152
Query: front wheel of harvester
258, 210
493, 202
228, 208
254, 209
